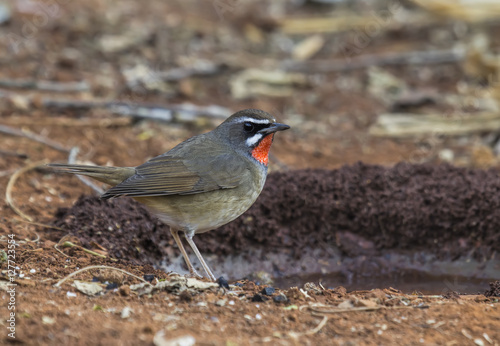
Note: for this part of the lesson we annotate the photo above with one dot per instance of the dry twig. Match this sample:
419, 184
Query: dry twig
322, 309
364, 61
60, 282
33, 136
45, 85
12, 181
62, 121
70, 244
170, 113
62, 253
405, 125
312, 331
39, 224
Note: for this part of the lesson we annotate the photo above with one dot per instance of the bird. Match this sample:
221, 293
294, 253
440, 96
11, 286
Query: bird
202, 183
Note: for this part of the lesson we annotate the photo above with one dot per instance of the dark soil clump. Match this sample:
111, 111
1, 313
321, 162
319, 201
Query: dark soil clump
122, 226
361, 209
494, 290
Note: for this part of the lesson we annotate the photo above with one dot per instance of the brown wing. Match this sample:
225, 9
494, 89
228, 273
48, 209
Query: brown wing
182, 171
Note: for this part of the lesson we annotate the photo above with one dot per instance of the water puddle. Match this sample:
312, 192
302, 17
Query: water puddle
409, 281
406, 271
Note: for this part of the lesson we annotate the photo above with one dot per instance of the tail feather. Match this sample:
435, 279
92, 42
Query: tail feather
109, 175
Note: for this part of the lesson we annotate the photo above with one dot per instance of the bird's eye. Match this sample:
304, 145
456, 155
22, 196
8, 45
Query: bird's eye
249, 127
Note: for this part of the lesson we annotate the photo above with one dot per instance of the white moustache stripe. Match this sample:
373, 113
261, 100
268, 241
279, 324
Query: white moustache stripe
255, 121
254, 139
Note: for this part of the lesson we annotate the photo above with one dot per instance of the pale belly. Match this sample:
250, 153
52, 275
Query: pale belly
202, 212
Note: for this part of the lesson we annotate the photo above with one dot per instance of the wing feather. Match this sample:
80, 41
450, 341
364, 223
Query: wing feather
183, 173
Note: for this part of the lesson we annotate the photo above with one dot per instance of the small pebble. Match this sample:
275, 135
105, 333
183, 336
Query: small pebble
280, 298
223, 282
258, 298
239, 284
185, 296
268, 291
112, 286
95, 279
70, 294
124, 290
149, 277
33, 271
48, 320
221, 302
126, 312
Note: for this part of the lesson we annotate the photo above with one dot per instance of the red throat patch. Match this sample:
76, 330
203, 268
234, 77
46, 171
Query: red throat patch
261, 151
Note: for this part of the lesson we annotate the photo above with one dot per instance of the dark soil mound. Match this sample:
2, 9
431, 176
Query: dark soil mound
494, 290
123, 226
361, 209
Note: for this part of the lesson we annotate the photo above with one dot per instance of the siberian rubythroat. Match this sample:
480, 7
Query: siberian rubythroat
203, 182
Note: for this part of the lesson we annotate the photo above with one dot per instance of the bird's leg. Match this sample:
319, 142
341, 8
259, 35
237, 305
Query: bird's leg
175, 234
189, 238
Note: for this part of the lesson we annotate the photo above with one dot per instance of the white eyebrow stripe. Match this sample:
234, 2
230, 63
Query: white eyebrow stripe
254, 139
255, 121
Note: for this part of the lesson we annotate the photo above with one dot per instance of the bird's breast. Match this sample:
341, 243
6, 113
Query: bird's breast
205, 211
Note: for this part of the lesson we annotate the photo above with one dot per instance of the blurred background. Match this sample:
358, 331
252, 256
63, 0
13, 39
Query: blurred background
377, 81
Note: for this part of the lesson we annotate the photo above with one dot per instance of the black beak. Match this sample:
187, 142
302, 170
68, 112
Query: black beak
274, 128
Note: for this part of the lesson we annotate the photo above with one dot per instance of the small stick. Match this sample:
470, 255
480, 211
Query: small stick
360, 308
12, 181
33, 241
33, 136
363, 61
318, 327
63, 121
305, 294
183, 112
320, 312
39, 224
312, 331
57, 249
45, 85
70, 244
60, 282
